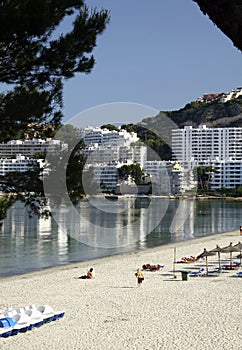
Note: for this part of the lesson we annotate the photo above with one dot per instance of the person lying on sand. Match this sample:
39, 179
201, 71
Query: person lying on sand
152, 267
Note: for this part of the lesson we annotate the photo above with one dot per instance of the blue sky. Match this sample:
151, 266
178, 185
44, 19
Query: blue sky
157, 53
161, 54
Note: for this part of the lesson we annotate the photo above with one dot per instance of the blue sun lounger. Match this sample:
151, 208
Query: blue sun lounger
200, 272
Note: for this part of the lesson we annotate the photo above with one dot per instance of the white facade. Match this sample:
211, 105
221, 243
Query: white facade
20, 164
100, 136
231, 95
202, 144
169, 177
29, 148
105, 176
220, 148
228, 173
110, 153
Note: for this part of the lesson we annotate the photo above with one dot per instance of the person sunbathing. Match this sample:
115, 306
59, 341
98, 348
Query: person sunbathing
152, 267
189, 259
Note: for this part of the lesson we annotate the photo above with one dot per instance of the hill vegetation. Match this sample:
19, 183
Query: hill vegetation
214, 114
155, 132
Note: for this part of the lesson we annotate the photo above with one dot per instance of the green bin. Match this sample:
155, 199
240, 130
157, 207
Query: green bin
184, 275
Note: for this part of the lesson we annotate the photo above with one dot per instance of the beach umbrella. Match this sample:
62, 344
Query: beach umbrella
239, 245
205, 255
217, 250
230, 249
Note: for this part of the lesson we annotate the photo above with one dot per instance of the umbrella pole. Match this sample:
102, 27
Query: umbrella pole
219, 263
174, 263
207, 264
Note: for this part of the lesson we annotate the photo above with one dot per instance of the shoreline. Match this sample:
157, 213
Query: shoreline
126, 254
112, 312
149, 196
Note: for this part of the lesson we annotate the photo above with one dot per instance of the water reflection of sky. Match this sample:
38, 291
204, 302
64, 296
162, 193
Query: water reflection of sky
28, 244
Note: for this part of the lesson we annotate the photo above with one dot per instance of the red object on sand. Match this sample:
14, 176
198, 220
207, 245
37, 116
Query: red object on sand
152, 267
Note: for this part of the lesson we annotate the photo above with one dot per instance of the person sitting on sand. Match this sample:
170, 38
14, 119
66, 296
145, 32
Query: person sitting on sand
90, 274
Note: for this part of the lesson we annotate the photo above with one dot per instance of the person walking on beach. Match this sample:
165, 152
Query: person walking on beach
139, 276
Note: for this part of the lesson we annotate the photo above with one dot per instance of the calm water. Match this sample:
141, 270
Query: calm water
100, 228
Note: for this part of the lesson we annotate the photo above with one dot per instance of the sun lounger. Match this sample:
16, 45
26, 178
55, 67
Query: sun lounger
199, 273
232, 266
216, 270
239, 274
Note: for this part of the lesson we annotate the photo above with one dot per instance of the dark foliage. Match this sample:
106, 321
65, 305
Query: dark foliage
227, 15
36, 57
157, 148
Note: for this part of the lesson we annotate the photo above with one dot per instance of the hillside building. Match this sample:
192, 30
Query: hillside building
96, 135
112, 153
220, 148
169, 178
19, 164
29, 148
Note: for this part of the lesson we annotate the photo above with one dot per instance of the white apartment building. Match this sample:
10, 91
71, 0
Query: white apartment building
105, 177
29, 148
202, 144
92, 135
231, 95
110, 153
169, 178
220, 148
228, 173
20, 164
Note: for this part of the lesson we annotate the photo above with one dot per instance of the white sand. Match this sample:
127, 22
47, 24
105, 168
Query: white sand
111, 312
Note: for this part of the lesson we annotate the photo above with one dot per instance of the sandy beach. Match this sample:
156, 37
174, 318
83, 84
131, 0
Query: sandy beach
112, 312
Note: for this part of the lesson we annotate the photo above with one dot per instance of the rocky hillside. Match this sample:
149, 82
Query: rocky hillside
214, 114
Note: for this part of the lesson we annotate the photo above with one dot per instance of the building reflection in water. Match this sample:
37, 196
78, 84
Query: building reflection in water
98, 229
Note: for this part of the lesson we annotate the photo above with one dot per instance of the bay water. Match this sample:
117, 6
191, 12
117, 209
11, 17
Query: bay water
98, 228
